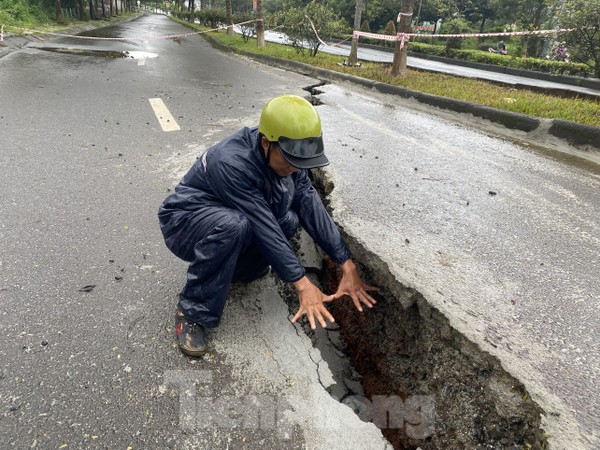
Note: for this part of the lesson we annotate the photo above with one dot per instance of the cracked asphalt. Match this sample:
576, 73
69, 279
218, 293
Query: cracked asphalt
88, 288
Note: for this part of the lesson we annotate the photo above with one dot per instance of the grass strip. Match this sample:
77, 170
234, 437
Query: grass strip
580, 110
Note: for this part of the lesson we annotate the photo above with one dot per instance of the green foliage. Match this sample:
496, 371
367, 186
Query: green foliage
24, 13
584, 43
522, 101
365, 26
390, 28
455, 26
485, 57
248, 29
297, 26
212, 18
427, 49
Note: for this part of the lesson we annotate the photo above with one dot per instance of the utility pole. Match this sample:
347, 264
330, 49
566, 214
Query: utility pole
353, 58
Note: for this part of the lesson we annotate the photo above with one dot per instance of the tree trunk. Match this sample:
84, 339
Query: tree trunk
260, 25
81, 11
401, 49
537, 21
59, 11
92, 10
103, 9
353, 58
229, 15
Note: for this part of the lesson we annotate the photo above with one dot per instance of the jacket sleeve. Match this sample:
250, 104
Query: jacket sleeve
236, 190
316, 220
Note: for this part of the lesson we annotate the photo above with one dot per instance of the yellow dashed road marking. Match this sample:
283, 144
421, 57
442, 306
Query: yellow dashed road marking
166, 120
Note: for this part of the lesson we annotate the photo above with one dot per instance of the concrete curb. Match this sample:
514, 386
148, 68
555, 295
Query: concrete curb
592, 83
576, 134
585, 138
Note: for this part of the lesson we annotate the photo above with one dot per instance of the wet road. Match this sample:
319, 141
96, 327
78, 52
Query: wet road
502, 239
88, 288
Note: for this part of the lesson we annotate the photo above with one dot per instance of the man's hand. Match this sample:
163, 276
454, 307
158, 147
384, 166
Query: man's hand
311, 303
352, 285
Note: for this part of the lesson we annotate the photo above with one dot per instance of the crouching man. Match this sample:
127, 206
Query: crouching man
233, 213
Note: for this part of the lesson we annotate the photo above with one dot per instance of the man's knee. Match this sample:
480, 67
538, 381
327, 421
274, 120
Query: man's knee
236, 226
226, 225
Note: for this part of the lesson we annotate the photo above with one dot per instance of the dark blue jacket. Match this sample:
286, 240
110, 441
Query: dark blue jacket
234, 173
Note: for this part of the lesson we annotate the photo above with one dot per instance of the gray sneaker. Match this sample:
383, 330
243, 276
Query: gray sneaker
190, 336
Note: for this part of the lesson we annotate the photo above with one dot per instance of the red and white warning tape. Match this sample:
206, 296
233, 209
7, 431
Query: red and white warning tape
321, 40
404, 37
507, 33
132, 38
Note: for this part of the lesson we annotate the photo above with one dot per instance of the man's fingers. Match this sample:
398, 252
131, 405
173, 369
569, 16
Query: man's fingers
367, 299
356, 302
332, 297
320, 313
298, 315
322, 321
366, 287
328, 316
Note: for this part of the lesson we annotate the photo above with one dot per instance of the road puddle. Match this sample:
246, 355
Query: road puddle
104, 53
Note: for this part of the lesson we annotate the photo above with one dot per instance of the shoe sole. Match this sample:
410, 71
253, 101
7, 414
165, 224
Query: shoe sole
193, 353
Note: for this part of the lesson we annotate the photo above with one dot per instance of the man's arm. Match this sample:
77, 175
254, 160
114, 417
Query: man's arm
321, 227
316, 220
237, 191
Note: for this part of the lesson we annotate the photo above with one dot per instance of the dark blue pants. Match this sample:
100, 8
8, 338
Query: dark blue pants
219, 245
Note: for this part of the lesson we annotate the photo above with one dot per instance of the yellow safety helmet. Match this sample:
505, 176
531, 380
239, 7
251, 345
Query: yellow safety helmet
295, 125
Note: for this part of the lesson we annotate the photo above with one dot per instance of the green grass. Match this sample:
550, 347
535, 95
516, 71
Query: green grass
523, 101
37, 26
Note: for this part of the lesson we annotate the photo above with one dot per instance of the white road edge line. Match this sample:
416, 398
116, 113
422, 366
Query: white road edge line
166, 120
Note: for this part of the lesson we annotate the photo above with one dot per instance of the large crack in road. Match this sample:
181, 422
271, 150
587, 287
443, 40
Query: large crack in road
403, 366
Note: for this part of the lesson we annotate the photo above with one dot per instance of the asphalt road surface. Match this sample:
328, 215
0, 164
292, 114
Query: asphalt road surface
87, 287
503, 239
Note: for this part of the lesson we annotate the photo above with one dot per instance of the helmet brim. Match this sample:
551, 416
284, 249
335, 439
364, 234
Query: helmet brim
304, 153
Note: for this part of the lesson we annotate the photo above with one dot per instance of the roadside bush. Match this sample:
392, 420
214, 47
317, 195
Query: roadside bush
298, 27
182, 15
389, 30
454, 26
485, 57
248, 29
482, 57
484, 46
212, 18
555, 67
15, 11
427, 49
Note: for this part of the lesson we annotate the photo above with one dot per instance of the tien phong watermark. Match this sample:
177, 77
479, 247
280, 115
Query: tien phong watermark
199, 409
